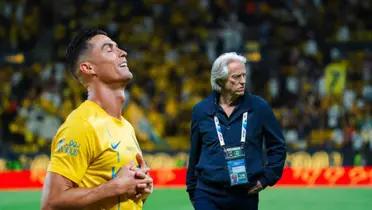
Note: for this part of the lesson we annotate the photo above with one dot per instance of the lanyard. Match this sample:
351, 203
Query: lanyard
243, 133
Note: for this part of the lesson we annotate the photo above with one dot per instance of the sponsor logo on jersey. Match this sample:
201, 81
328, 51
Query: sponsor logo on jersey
70, 148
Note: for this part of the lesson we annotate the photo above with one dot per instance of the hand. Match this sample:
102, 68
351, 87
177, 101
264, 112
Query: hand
255, 189
143, 171
129, 182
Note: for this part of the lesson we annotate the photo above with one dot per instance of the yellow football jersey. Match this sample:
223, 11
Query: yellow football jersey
90, 147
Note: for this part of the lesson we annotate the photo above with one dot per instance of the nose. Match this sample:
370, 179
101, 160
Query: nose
242, 80
122, 52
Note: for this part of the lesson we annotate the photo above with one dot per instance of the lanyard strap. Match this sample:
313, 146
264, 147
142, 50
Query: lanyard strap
243, 133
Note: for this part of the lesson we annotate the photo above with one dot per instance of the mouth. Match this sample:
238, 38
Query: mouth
123, 64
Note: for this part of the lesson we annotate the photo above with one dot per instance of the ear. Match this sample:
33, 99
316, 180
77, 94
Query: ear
86, 68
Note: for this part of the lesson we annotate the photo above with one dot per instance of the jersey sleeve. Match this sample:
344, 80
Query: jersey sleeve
72, 150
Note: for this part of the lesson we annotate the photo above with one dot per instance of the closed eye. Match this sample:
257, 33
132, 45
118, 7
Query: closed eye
108, 47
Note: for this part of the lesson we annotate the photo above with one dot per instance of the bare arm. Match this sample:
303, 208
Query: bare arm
61, 193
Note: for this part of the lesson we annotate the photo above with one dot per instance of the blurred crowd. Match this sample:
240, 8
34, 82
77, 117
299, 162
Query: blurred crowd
311, 60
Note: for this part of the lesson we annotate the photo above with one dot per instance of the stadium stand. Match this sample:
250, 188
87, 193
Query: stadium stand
311, 60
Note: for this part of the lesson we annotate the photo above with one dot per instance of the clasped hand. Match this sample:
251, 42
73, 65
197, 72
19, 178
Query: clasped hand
134, 182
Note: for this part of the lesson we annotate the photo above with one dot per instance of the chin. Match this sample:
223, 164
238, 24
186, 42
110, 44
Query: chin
130, 76
127, 78
127, 75
240, 93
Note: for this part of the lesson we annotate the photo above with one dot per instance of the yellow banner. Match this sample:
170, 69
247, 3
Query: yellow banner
335, 78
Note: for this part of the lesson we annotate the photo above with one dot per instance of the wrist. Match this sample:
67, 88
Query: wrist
117, 188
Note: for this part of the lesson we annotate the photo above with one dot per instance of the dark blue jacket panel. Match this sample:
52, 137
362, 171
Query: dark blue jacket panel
207, 162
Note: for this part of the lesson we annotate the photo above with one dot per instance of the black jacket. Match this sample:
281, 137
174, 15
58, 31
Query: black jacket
207, 163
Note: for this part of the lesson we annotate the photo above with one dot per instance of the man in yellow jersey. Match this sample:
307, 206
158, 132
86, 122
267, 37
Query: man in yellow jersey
95, 154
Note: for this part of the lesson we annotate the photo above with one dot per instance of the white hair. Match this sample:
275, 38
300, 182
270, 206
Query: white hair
219, 68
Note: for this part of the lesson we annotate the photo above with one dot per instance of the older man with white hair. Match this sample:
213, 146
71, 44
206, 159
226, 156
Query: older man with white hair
229, 129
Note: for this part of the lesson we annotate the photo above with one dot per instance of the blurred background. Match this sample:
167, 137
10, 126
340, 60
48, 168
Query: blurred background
311, 60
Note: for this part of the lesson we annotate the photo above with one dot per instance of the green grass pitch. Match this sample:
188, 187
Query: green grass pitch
270, 199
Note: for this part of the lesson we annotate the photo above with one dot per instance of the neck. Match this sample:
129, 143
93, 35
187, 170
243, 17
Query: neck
228, 99
110, 99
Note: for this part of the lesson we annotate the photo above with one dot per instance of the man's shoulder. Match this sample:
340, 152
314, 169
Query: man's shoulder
128, 125
257, 102
78, 115
208, 102
81, 118
204, 103
86, 112
76, 126
204, 108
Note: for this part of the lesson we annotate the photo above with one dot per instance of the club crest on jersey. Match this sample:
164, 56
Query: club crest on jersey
71, 147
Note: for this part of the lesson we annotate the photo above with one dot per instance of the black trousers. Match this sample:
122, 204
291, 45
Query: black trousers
204, 200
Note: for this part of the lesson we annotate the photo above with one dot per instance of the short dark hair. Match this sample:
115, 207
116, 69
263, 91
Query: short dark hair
78, 45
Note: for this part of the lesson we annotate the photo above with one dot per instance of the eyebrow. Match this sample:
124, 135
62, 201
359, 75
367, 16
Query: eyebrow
238, 74
110, 44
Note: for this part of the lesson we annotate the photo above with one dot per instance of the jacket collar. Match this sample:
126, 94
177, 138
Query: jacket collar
244, 104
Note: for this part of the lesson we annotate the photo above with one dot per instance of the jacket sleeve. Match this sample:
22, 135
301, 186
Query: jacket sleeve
193, 156
275, 147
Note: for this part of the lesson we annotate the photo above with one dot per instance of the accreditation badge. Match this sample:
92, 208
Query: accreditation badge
235, 158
